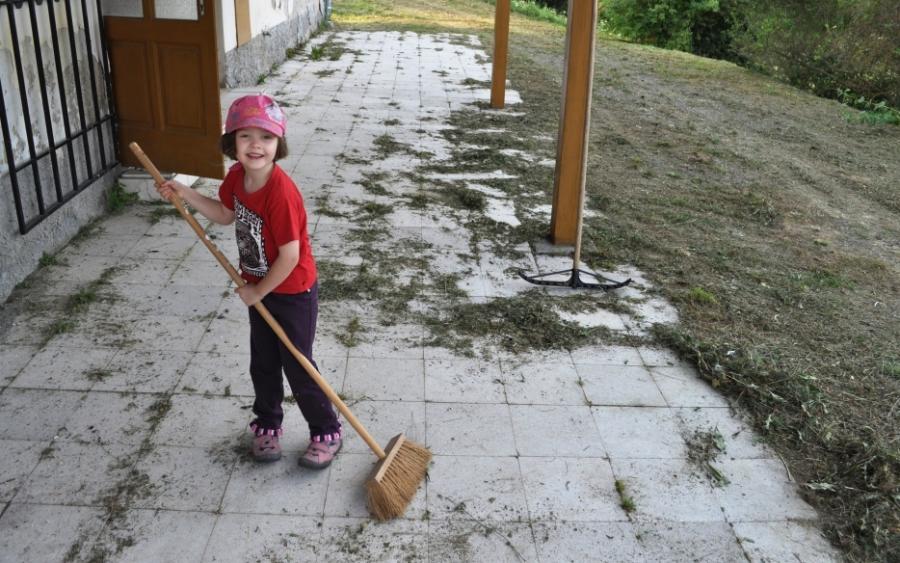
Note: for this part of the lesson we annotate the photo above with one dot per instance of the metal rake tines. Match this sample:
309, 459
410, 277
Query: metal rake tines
574, 280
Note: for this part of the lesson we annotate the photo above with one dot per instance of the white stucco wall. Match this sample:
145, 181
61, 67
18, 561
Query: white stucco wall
264, 16
267, 14
275, 26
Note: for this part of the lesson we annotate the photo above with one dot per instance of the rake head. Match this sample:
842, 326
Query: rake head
574, 281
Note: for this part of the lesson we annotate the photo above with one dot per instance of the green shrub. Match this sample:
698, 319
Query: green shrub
539, 11
829, 47
834, 48
559, 5
553, 11
869, 112
696, 26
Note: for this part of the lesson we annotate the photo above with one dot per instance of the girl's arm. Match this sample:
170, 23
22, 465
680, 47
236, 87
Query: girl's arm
288, 256
210, 208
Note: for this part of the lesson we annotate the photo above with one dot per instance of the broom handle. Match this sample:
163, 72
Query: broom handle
260, 308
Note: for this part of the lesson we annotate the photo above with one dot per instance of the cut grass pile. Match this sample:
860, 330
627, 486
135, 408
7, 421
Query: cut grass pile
517, 324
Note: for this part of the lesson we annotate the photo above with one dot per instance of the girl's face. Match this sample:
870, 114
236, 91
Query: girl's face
255, 148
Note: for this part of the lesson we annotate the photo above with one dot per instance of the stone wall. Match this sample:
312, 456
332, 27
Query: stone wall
22, 253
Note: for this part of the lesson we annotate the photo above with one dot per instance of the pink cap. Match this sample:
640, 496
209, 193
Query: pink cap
256, 111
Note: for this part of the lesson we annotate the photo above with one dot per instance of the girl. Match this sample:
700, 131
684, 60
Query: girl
277, 263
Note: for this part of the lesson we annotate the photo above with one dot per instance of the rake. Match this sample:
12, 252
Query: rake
575, 273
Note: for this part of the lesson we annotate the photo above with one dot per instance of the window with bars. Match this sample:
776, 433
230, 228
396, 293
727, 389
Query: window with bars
56, 111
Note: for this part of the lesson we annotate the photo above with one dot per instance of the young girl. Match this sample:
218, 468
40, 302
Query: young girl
277, 263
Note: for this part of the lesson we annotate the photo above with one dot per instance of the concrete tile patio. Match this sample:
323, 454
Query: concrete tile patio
126, 438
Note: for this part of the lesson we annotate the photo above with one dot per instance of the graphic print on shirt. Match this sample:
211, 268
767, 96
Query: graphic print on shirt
248, 229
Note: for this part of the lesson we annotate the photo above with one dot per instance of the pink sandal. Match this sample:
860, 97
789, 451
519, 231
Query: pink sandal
319, 455
266, 448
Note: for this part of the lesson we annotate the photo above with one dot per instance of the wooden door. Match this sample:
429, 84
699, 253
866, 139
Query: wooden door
165, 77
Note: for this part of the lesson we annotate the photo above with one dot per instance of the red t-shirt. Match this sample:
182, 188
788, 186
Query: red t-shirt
270, 217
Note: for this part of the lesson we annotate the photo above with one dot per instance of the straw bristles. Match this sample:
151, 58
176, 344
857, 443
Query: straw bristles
389, 495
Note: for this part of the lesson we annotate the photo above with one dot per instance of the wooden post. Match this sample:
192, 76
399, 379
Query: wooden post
574, 124
501, 50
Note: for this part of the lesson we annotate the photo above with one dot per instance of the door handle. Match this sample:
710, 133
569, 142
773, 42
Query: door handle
201, 8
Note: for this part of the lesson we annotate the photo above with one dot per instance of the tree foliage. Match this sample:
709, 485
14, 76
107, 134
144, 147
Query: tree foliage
831, 47
828, 46
698, 26
560, 6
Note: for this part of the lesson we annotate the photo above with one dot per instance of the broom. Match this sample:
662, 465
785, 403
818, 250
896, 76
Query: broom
401, 467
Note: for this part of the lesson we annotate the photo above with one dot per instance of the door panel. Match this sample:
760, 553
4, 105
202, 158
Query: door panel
133, 104
165, 78
181, 68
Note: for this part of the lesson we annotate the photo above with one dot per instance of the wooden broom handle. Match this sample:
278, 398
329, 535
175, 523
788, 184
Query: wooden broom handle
260, 308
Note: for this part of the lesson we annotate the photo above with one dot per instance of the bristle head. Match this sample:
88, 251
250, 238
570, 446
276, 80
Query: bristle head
389, 496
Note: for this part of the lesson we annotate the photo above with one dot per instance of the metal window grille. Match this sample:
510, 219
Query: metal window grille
56, 110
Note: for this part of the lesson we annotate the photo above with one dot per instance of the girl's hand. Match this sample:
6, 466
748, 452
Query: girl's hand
169, 187
249, 294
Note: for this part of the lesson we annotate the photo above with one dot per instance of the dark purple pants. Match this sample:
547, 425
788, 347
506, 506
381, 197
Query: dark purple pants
296, 313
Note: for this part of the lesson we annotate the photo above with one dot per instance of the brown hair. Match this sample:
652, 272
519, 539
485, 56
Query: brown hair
229, 146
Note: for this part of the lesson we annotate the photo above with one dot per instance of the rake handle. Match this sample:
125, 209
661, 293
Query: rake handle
260, 308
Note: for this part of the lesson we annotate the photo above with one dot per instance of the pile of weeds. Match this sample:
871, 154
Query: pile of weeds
331, 49
475, 151
161, 210
350, 337
625, 500
386, 145
858, 466
523, 323
117, 198
324, 208
340, 282
373, 182
703, 447
377, 277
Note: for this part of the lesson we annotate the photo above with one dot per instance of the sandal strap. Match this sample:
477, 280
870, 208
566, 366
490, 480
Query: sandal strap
262, 431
